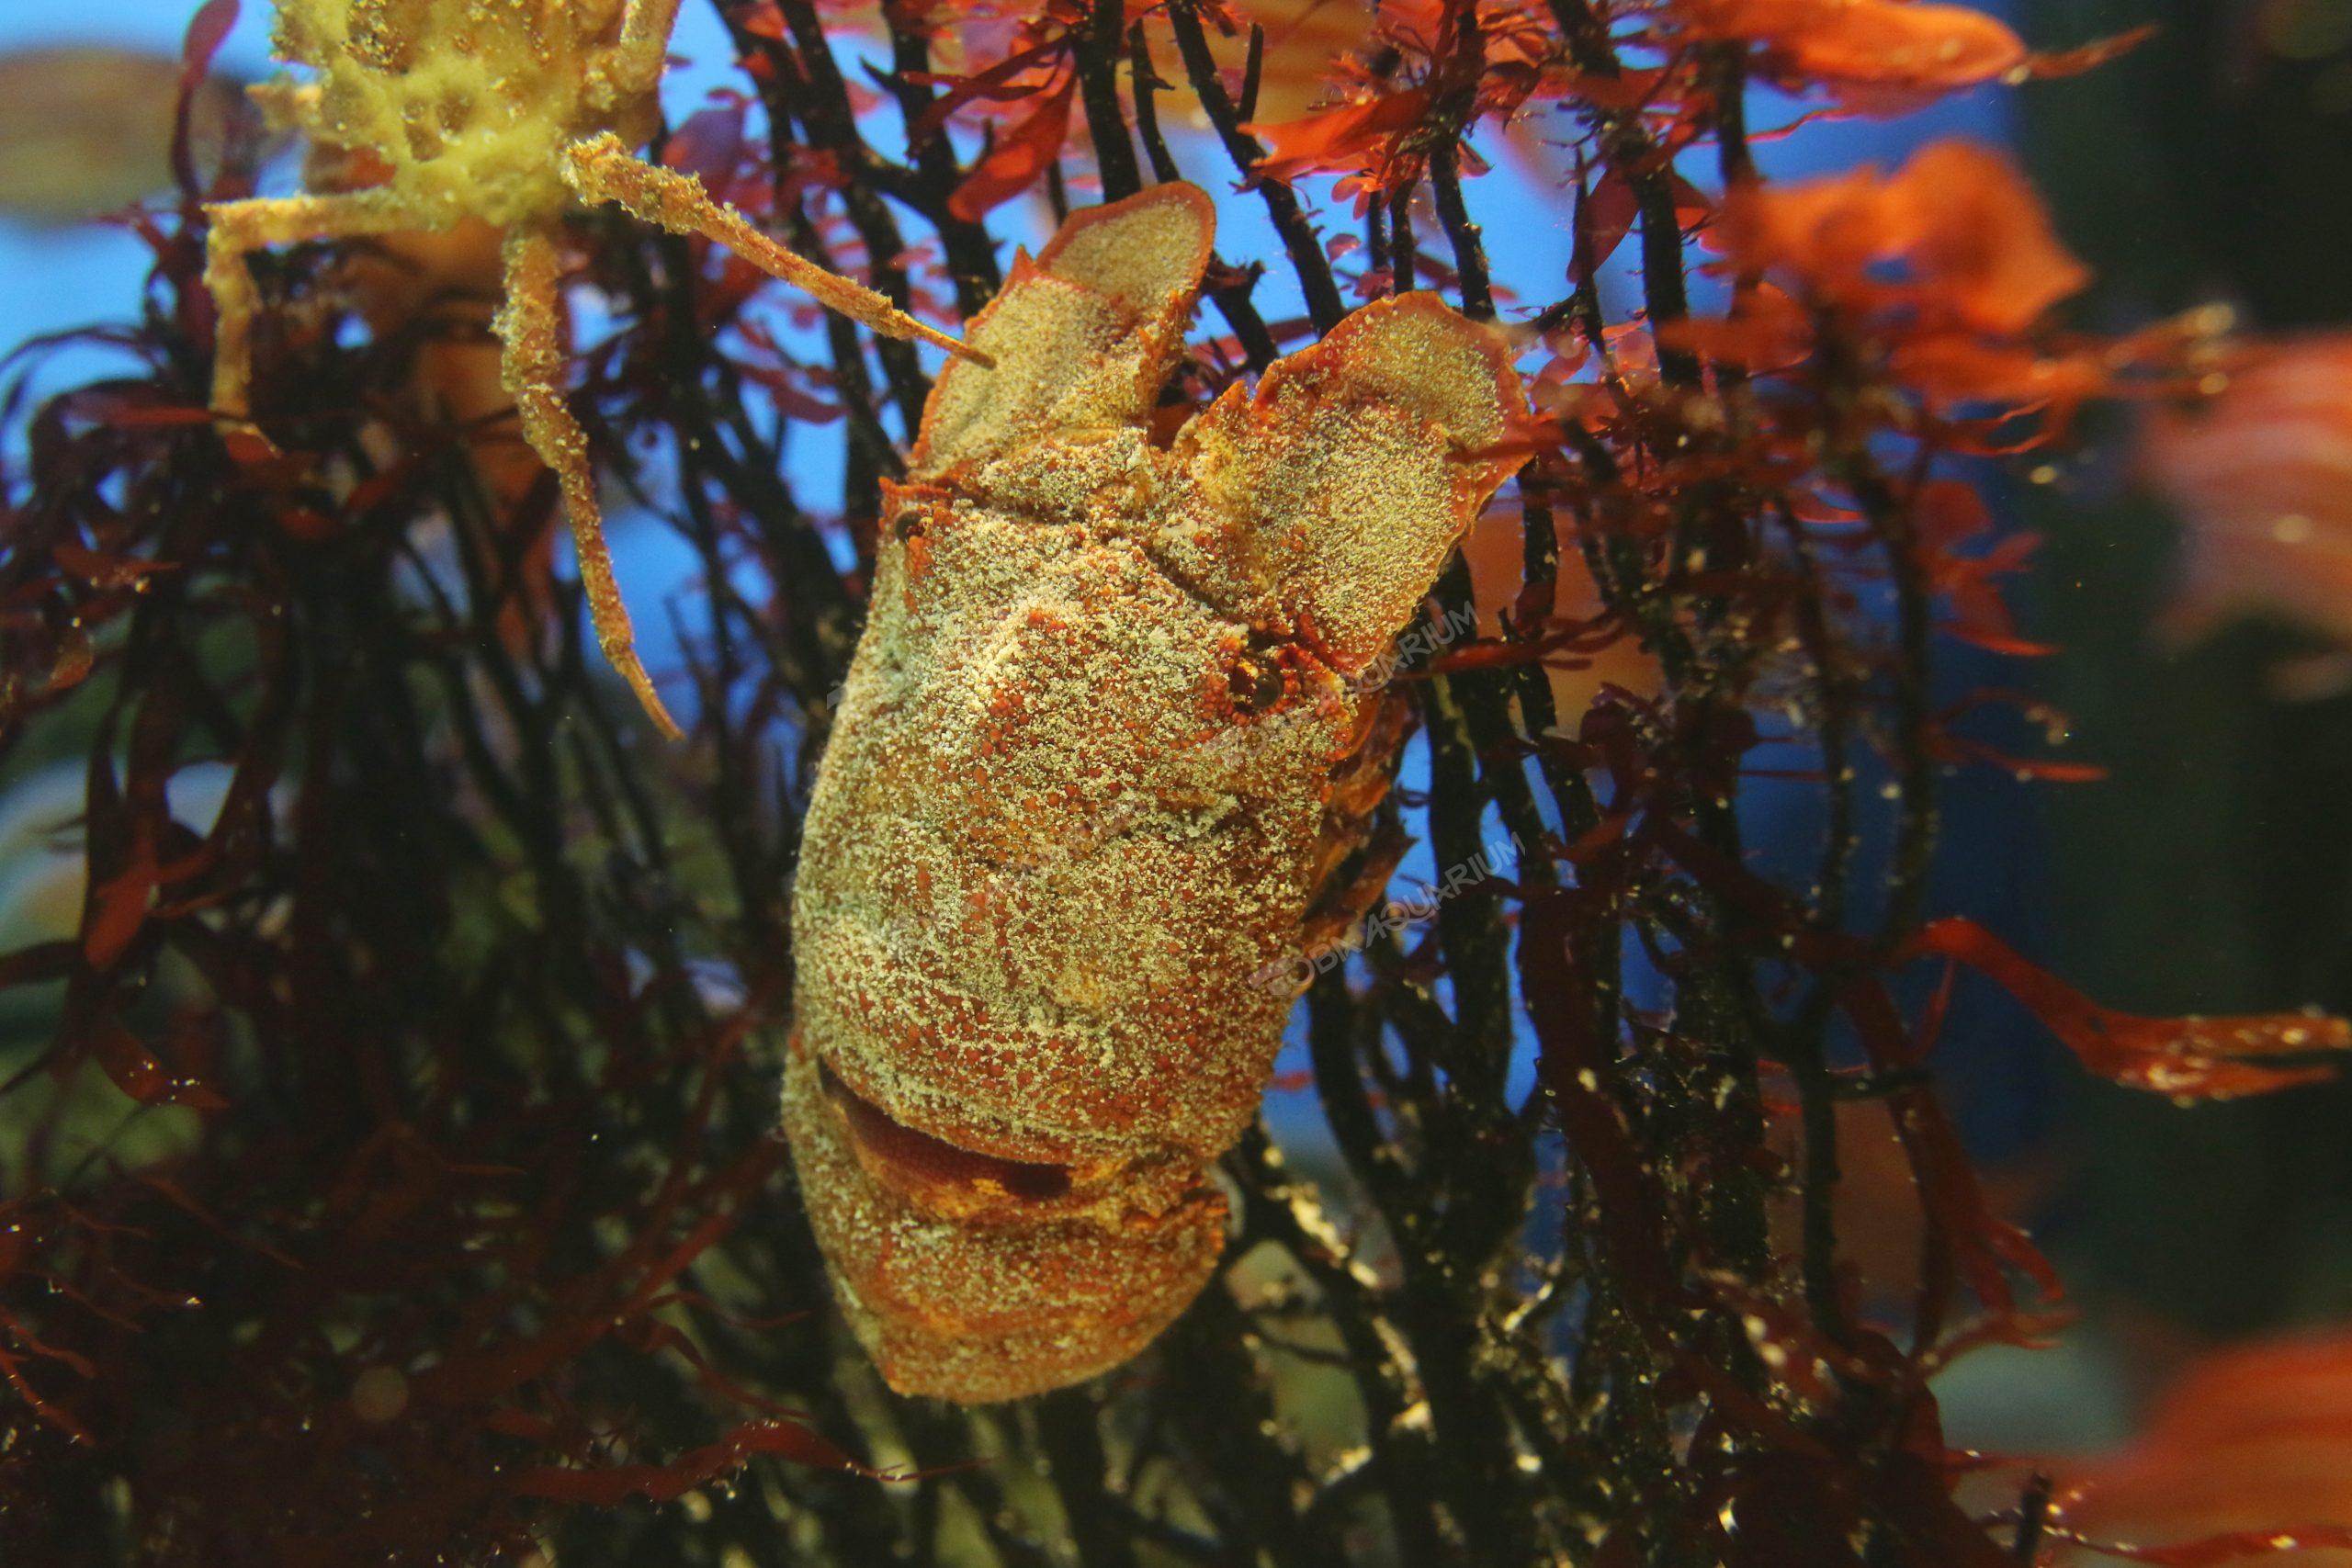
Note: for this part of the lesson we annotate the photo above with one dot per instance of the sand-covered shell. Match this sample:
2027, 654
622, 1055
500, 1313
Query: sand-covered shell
1082, 786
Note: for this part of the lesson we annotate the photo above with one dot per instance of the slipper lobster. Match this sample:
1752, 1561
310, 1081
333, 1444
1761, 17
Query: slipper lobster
1115, 719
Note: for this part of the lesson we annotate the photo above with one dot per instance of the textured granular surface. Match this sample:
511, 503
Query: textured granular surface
465, 101
1073, 809
984, 1312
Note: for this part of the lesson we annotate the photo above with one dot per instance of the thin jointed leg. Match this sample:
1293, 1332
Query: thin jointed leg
237, 227
639, 58
601, 169
530, 326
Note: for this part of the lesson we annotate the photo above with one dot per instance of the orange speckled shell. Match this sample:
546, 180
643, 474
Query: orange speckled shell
1070, 816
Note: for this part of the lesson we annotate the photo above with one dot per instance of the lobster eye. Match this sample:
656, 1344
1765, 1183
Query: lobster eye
907, 525
1254, 682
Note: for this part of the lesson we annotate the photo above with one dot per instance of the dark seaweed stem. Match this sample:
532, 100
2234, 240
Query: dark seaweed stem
1721, 1001
1803, 1042
1628, 148
808, 88
1253, 74
1144, 84
1386, 1373
1257, 1472
1071, 1437
1056, 186
1097, 49
1469, 254
1914, 740
971, 258
1885, 505
1725, 74
1705, 682
1403, 260
1232, 298
1290, 221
